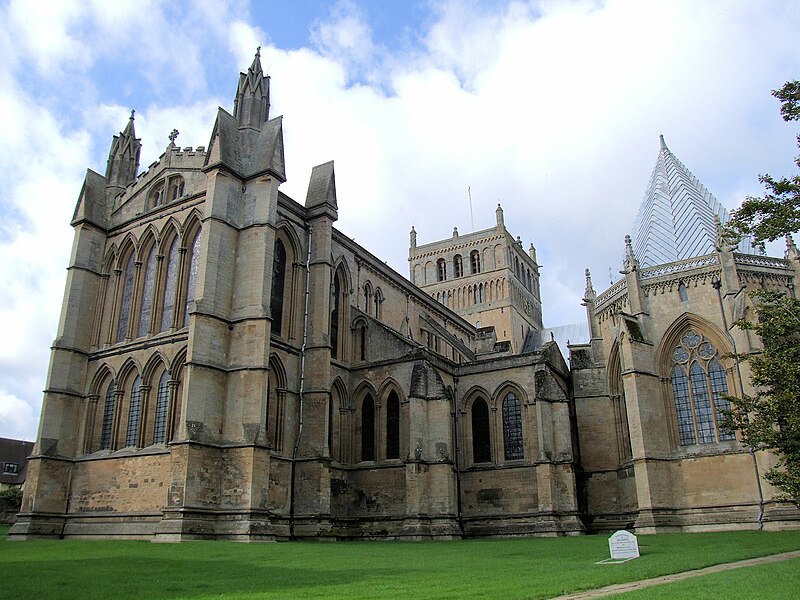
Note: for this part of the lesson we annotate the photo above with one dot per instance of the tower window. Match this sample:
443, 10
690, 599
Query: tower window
475, 261
458, 266
441, 269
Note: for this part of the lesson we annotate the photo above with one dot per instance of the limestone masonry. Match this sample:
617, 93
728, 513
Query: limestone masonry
229, 365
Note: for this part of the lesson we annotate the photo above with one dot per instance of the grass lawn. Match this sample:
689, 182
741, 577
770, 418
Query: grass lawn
511, 568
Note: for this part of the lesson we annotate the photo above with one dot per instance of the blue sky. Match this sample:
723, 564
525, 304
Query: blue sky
551, 108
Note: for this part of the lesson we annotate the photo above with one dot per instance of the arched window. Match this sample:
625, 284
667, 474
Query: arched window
134, 413
148, 289
378, 301
192, 279
337, 292
475, 261
108, 417
458, 266
481, 446
393, 426
699, 387
480, 293
441, 269
368, 428
170, 286
157, 195
362, 342
682, 292
367, 298
162, 406
176, 188
512, 427
127, 296
278, 281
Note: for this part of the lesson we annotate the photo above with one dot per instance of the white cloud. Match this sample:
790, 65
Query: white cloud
553, 109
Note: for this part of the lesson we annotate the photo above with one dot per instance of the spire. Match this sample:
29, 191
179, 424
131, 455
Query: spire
791, 248
123, 157
251, 106
676, 218
413, 237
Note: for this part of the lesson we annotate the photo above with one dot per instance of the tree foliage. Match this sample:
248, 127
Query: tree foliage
770, 420
777, 212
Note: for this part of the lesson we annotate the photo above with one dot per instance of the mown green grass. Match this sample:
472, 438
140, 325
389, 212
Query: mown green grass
776, 581
511, 568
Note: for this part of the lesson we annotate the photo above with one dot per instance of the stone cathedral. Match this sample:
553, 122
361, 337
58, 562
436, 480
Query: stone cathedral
229, 365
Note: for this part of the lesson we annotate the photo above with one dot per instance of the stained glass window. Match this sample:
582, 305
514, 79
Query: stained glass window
134, 412
170, 286
127, 294
512, 427
162, 404
108, 417
278, 282
147, 292
392, 426
699, 385
481, 447
368, 429
192, 282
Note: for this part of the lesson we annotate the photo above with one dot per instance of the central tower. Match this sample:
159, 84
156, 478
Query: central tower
486, 277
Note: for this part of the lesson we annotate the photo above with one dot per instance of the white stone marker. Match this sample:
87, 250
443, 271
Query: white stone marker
623, 546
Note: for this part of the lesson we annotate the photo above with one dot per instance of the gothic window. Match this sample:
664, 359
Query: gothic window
134, 412
278, 281
378, 301
475, 261
392, 426
127, 296
337, 292
157, 195
108, 417
192, 279
699, 386
170, 286
148, 289
481, 447
362, 342
368, 428
441, 269
176, 188
367, 298
458, 266
512, 427
682, 292
162, 405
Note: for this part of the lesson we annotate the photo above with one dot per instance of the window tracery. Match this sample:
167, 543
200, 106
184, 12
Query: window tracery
699, 387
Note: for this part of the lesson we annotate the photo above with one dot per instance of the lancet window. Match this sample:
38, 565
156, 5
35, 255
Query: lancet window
699, 387
148, 289
368, 428
512, 427
162, 406
393, 426
278, 283
192, 279
127, 295
134, 413
170, 286
481, 444
108, 417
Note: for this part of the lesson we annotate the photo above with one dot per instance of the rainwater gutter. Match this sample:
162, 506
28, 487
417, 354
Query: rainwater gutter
299, 434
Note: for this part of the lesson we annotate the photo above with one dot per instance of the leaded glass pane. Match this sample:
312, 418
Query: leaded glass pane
108, 418
512, 428
683, 406
691, 339
192, 283
481, 448
147, 292
132, 437
162, 404
127, 294
706, 431
170, 286
719, 389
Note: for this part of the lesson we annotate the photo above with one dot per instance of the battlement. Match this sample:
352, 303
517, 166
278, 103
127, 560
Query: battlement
173, 159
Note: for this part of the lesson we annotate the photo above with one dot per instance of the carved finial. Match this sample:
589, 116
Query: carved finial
791, 248
173, 136
532, 252
662, 142
499, 214
133, 112
258, 51
589, 291
631, 262
455, 232
413, 236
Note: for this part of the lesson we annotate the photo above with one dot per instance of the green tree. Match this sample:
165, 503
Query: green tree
770, 419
